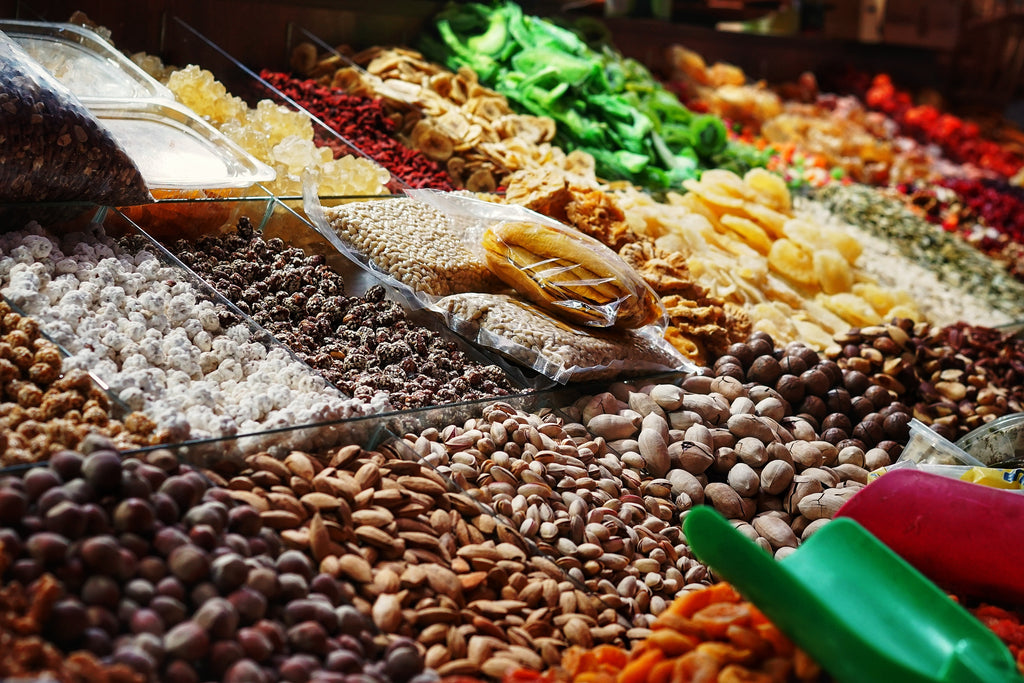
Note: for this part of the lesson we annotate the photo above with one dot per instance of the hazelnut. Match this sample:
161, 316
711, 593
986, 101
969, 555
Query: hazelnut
765, 370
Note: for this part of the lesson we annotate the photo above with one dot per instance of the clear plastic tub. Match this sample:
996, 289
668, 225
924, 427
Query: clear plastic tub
1000, 443
925, 447
83, 61
175, 149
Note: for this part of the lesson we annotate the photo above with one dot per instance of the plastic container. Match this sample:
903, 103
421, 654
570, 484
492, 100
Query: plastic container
1000, 443
83, 61
928, 448
175, 149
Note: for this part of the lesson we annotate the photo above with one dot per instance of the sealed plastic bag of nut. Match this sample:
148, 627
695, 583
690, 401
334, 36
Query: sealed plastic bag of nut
51, 148
567, 273
554, 348
406, 242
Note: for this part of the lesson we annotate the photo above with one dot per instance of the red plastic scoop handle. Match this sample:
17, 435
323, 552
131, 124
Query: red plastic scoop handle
965, 537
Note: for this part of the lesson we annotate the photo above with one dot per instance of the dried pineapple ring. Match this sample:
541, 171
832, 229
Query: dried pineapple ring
771, 220
787, 258
851, 308
832, 271
751, 232
727, 181
771, 187
904, 311
805, 233
845, 244
813, 334
710, 195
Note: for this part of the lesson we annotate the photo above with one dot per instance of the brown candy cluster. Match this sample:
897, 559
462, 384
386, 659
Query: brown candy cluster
43, 410
363, 345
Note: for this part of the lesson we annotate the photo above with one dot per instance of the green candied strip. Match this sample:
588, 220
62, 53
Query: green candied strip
603, 103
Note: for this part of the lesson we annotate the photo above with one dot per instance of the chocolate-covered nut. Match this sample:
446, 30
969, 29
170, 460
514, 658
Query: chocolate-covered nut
13, 505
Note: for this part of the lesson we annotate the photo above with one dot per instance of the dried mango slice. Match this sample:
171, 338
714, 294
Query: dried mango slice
787, 258
832, 271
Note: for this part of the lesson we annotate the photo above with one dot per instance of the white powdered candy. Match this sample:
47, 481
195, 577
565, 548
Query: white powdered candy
158, 342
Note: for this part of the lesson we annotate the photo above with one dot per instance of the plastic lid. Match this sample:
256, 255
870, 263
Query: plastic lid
83, 61
175, 149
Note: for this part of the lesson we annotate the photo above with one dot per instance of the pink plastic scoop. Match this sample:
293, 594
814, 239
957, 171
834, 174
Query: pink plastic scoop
965, 537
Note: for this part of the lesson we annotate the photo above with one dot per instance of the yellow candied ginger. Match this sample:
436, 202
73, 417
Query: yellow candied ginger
198, 90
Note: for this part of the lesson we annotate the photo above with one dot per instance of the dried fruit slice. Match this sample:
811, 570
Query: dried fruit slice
432, 142
753, 235
832, 270
771, 187
788, 258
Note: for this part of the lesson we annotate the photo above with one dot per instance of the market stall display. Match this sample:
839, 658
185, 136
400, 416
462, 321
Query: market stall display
380, 502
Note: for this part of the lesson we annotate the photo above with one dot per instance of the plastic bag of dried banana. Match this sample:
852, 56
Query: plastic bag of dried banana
51, 148
569, 274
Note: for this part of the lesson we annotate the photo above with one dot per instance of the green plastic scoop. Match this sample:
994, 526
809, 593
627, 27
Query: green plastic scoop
855, 606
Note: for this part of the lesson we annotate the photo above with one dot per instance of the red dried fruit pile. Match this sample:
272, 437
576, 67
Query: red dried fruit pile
363, 123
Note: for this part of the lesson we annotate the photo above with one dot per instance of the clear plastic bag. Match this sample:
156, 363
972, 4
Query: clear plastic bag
565, 272
471, 302
51, 148
530, 336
